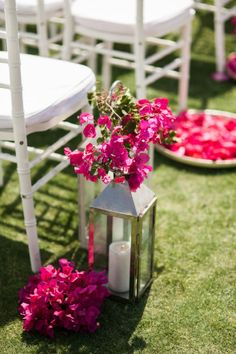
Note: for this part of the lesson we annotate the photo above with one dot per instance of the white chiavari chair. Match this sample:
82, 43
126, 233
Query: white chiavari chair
40, 24
137, 23
36, 94
223, 10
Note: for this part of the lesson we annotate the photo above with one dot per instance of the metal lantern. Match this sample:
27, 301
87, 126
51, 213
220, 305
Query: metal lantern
121, 238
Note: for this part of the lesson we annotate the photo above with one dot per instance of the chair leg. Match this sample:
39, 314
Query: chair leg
1, 172
67, 39
28, 209
68, 32
106, 67
52, 29
27, 202
31, 231
42, 34
219, 42
92, 61
184, 70
22, 28
139, 52
42, 31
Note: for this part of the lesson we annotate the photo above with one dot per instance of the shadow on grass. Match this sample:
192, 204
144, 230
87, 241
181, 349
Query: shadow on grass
49, 206
118, 322
201, 86
15, 270
55, 224
7, 176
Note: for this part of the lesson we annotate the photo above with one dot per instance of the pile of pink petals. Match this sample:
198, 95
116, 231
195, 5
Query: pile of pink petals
62, 298
205, 136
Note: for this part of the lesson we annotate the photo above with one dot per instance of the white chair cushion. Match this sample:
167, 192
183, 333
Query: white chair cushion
29, 7
119, 17
51, 88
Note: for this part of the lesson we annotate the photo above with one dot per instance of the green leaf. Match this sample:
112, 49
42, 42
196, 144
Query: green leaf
130, 127
100, 140
93, 170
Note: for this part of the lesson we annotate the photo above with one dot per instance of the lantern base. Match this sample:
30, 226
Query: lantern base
121, 297
126, 297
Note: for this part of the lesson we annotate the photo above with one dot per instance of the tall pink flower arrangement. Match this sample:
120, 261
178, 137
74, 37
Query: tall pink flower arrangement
122, 133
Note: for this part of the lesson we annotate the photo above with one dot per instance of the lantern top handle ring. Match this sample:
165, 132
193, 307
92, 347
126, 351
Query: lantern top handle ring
114, 86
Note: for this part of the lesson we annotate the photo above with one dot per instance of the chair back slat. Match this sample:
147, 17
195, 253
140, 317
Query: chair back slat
4, 86
3, 34
4, 60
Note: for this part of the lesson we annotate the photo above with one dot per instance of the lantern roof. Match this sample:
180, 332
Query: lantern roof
119, 199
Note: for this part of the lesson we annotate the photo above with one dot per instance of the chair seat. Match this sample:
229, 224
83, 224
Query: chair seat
119, 17
51, 88
30, 7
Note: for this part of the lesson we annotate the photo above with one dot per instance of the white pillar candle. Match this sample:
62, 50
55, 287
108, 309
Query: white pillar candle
119, 266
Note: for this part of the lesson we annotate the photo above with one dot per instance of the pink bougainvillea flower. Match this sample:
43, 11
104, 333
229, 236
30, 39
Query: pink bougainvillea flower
62, 298
106, 179
76, 157
101, 172
85, 117
120, 179
161, 102
145, 110
135, 180
142, 158
89, 131
105, 120
142, 102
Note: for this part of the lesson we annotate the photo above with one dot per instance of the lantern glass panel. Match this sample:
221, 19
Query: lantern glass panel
87, 192
100, 241
145, 266
121, 229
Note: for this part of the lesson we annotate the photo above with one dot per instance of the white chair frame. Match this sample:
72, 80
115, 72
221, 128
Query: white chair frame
46, 37
136, 60
222, 13
16, 139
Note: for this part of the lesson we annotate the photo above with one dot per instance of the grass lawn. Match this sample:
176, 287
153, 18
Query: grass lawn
190, 306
